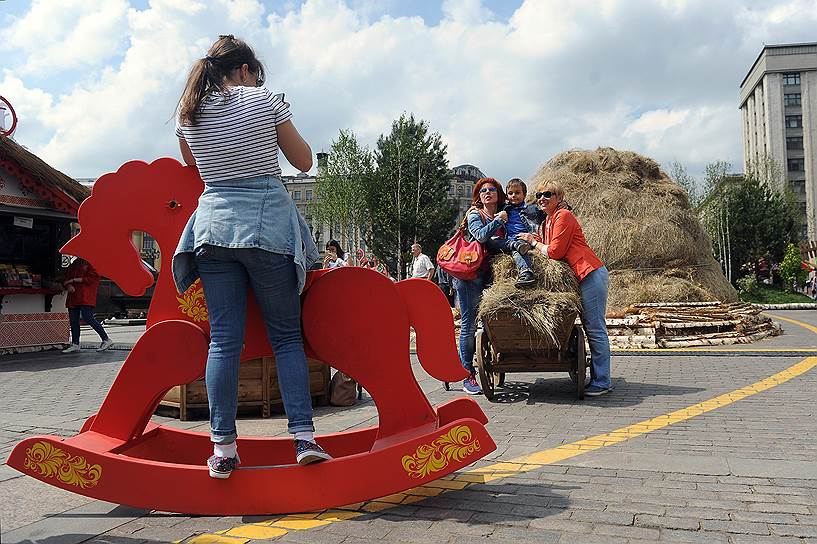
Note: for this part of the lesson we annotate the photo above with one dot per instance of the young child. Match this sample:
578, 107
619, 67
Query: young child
516, 223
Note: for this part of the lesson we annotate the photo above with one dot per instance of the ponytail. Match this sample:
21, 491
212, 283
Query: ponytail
202, 81
209, 75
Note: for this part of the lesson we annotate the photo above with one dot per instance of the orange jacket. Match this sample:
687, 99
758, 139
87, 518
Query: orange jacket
565, 240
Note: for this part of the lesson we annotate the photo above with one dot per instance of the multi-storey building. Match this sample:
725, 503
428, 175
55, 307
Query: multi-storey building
465, 176
778, 103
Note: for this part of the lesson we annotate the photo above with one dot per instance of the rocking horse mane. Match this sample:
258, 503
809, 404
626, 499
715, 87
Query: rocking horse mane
157, 198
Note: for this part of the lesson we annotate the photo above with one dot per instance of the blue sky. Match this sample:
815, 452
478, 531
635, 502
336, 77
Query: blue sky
507, 84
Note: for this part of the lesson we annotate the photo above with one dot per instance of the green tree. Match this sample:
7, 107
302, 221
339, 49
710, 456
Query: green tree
678, 174
340, 186
408, 200
747, 217
791, 269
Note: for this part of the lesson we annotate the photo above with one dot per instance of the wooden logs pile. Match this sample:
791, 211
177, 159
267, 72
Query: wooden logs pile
687, 324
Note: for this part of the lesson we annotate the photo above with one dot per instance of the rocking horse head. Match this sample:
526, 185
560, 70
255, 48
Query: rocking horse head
157, 198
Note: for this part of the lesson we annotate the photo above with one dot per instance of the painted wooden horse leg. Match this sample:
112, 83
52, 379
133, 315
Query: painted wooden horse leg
169, 353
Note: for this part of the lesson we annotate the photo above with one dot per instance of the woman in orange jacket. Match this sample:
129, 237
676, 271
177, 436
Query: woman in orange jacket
82, 282
561, 237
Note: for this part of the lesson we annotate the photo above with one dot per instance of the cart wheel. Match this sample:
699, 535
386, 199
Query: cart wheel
579, 371
500, 379
486, 377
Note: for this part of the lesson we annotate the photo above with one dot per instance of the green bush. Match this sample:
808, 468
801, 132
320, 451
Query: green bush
791, 269
747, 285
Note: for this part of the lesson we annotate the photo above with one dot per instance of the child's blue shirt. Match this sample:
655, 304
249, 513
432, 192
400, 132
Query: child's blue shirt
517, 223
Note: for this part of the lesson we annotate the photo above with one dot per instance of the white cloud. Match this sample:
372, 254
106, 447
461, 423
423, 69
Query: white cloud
658, 78
59, 35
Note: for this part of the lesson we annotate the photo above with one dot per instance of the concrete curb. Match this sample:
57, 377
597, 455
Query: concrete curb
112, 321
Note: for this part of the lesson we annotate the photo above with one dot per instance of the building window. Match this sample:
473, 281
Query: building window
459, 190
791, 79
794, 142
309, 194
792, 99
794, 121
147, 242
798, 186
796, 165
296, 195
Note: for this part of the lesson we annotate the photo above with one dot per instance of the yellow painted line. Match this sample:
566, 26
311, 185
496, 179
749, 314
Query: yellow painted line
512, 467
812, 328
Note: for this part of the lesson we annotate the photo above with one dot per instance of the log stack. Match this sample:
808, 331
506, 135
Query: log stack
688, 324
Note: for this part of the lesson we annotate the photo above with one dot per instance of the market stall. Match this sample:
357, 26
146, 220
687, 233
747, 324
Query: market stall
38, 208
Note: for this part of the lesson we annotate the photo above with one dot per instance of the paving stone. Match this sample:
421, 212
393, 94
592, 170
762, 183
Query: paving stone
693, 537
612, 518
764, 517
669, 522
524, 534
626, 531
797, 530
759, 539
785, 508
745, 527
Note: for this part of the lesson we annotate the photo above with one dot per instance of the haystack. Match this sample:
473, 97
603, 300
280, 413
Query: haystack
543, 307
641, 226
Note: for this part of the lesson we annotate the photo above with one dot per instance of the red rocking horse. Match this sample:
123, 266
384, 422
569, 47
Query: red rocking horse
121, 456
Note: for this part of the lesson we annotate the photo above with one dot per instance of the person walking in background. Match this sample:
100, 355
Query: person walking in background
421, 265
82, 283
245, 233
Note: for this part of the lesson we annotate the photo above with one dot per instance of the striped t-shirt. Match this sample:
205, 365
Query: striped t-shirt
235, 138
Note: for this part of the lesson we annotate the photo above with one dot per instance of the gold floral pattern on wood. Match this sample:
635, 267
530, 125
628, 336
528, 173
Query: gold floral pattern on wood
52, 462
455, 445
192, 303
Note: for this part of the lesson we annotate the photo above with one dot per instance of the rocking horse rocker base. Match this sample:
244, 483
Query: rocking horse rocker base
164, 470
121, 456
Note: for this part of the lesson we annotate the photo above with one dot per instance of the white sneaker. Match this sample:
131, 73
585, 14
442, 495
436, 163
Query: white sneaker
105, 345
73, 348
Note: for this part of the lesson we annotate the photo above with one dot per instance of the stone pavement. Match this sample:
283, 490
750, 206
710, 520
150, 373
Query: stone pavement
744, 472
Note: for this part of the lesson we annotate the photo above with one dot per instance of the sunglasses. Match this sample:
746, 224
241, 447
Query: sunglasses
488, 190
545, 194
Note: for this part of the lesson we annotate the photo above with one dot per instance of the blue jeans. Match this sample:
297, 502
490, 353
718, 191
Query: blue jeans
469, 293
226, 275
594, 306
87, 314
503, 245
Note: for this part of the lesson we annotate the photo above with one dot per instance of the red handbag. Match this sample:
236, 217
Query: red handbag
459, 257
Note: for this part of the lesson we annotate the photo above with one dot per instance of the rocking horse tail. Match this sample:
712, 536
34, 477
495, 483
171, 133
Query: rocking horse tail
430, 316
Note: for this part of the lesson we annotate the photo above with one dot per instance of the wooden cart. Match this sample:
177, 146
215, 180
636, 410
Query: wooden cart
505, 344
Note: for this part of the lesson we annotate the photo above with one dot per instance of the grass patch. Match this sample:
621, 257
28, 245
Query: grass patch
769, 295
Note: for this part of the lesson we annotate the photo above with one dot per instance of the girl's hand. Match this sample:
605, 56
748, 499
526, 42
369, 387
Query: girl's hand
526, 236
502, 215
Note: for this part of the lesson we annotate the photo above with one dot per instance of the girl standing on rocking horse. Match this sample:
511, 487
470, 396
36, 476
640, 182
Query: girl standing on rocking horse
246, 232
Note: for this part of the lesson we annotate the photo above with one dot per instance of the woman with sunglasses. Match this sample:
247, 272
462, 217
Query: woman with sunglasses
246, 233
562, 238
482, 222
